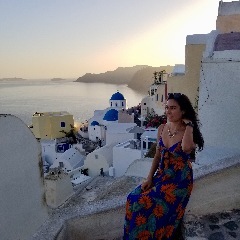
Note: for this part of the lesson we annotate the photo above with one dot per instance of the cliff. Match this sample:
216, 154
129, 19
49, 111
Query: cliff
138, 77
143, 78
122, 75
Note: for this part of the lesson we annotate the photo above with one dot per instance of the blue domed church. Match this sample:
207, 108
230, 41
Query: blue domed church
114, 114
117, 101
111, 115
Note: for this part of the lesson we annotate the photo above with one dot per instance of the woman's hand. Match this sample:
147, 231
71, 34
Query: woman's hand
146, 185
187, 141
186, 121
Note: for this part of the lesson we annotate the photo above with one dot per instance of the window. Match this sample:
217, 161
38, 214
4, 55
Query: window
96, 156
144, 103
157, 97
122, 104
63, 124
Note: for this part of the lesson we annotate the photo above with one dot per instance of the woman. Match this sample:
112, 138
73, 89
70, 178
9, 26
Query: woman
155, 209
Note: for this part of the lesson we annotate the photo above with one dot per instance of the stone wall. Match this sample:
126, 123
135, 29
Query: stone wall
103, 225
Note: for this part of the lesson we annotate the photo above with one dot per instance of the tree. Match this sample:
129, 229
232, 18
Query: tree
71, 135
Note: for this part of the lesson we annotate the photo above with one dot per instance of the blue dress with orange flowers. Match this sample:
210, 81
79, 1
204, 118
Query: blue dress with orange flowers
157, 212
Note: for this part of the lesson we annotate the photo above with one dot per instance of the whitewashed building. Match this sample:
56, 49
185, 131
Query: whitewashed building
69, 160
124, 154
154, 103
49, 154
119, 133
114, 114
97, 131
147, 139
116, 135
51, 149
99, 158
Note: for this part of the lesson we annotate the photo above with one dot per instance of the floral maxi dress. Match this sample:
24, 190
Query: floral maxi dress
156, 213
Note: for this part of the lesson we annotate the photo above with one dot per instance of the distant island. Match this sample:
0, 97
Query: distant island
12, 79
57, 79
138, 77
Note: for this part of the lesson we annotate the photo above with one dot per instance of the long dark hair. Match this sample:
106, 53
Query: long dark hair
190, 114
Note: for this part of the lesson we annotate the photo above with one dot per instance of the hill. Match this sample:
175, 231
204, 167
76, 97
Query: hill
122, 75
142, 79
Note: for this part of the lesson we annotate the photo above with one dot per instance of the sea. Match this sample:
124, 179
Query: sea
23, 98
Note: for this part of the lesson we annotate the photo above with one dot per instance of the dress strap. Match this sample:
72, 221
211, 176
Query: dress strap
159, 136
160, 133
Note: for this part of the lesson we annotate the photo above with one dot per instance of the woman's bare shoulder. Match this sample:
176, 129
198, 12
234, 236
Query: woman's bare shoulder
160, 130
161, 127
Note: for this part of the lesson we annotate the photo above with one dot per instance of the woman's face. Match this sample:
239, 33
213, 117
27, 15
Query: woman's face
173, 111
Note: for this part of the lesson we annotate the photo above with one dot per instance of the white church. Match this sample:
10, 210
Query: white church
102, 126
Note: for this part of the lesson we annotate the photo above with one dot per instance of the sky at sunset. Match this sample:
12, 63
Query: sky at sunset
68, 38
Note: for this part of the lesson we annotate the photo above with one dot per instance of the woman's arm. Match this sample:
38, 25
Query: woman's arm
147, 184
155, 163
187, 141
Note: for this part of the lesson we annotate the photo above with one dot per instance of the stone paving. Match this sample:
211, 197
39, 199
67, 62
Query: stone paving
219, 226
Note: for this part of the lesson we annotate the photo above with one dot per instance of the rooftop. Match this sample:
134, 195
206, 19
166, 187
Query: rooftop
62, 113
117, 96
111, 115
